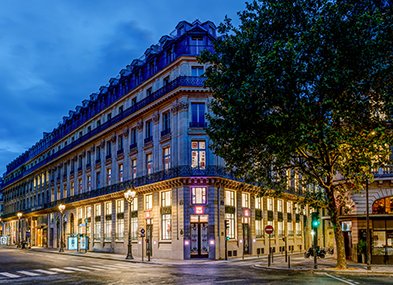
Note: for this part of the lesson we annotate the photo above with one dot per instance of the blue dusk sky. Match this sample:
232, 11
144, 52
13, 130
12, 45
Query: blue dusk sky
54, 54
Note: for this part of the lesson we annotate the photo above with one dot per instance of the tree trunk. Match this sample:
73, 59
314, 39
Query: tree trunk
338, 235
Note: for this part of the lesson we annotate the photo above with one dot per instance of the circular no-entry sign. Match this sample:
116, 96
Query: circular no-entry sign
269, 229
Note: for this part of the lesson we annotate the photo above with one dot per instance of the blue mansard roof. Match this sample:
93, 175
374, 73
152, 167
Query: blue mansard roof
176, 45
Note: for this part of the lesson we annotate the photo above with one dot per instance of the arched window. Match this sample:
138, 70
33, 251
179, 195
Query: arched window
383, 206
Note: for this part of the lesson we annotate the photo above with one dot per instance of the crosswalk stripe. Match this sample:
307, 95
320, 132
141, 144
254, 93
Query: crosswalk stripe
10, 275
90, 267
61, 270
76, 269
28, 273
45, 271
105, 266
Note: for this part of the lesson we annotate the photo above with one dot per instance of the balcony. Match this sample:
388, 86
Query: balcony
198, 125
148, 140
181, 81
166, 132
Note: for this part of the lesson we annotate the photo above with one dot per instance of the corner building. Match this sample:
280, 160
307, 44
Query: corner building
145, 130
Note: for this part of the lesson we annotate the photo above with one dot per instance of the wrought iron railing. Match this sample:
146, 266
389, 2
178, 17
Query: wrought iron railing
191, 81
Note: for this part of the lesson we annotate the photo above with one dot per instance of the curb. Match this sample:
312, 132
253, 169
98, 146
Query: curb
349, 271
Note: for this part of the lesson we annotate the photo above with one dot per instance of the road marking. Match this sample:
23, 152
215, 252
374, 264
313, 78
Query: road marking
61, 270
91, 268
76, 269
10, 275
28, 273
229, 281
348, 281
45, 271
105, 266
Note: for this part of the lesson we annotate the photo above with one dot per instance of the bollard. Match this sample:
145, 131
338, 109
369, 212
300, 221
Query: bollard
289, 261
268, 260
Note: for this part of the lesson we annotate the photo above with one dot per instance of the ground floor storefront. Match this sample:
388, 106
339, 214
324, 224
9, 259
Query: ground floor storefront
195, 219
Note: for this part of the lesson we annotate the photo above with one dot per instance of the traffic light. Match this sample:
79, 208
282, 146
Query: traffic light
315, 221
226, 224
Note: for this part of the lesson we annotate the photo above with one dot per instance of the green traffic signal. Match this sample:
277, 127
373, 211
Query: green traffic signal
315, 221
227, 237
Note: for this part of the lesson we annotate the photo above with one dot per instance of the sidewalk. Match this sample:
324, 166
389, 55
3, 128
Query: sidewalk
297, 262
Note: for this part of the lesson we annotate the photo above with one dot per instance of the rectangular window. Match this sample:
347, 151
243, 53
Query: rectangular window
166, 121
88, 158
198, 154
279, 205
166, 231
148, 131
231, 230
166, 157
230, 198
98, 153
72, 188
148, 201
108, 149
108, 176
98, 181
97, 222
280, 231
258, 203
165, 81
133, 168
259, 228
289, 207
120, 219
197, 115
88, 220
245, 200
119, 143
80, 220
298, 229
88, 182
290, 229
197, 70
133, 138
270, 204
166, 199
121, 172
80, 186
149, 91
149, 163
64, 191
108, 221
198, 195
134, 219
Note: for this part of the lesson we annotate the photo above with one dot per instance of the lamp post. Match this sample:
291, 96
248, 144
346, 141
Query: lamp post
61, 209
129, 195
368, 247
19, 215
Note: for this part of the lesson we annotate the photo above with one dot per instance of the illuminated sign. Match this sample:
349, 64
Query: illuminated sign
246, 212
199, 210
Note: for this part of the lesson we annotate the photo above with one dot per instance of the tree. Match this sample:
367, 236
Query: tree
305, 87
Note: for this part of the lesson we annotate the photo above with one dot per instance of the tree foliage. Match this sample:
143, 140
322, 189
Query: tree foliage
305, 87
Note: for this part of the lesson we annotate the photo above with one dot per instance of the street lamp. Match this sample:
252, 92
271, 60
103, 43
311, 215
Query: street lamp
19, 215
129, 195
61, 209
368, 241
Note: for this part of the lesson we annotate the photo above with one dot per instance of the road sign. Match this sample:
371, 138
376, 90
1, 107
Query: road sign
142, 231
269, 229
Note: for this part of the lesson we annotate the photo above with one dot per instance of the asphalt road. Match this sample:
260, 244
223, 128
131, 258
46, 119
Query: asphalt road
29, 267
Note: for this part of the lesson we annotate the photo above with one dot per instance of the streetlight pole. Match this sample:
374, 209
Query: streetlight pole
129, 195
61, 209
368, 247
19, 214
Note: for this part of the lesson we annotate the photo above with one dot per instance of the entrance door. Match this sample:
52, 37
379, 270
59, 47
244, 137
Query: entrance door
199, 243
246, 237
